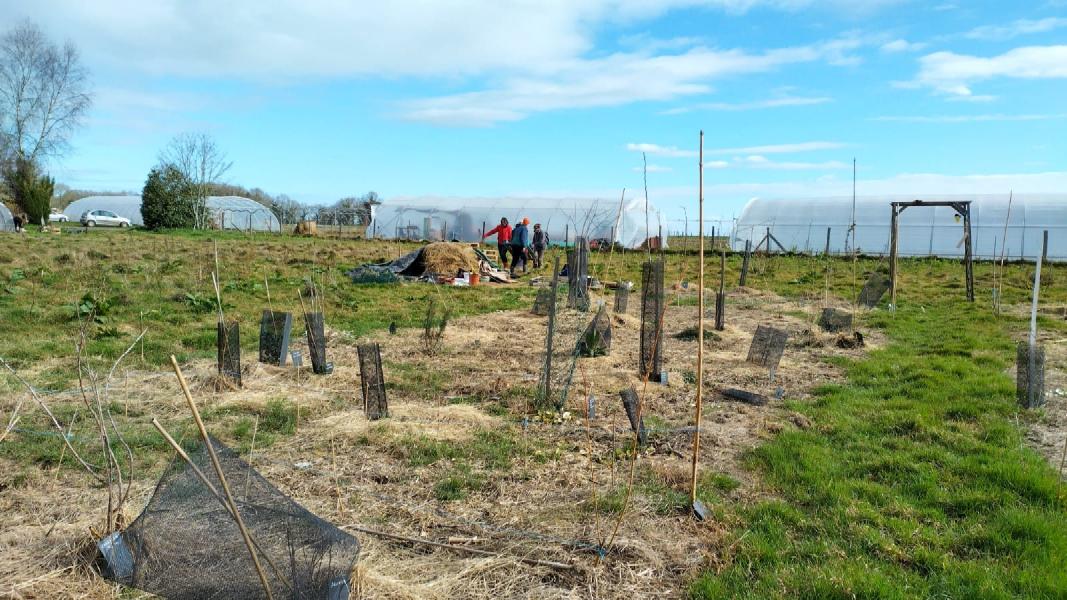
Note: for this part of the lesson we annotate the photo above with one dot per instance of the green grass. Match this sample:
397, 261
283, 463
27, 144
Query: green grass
914, 483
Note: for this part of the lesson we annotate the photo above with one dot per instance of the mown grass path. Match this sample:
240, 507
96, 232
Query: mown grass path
914, 482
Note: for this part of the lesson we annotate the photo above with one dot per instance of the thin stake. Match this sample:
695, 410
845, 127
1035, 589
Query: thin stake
222, 478
700, 336
214, 492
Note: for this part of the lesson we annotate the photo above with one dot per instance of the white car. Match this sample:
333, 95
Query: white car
104, 218
58, 218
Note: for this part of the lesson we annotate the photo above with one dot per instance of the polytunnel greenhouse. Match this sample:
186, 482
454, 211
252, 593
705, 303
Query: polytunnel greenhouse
227, 212
562, 218
7, 222
801, 225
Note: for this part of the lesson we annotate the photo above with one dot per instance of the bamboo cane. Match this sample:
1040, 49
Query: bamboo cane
222, 478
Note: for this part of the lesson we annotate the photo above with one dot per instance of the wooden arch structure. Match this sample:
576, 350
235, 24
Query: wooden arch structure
963, 208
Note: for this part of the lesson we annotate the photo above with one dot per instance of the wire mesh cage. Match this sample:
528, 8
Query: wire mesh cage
186, 546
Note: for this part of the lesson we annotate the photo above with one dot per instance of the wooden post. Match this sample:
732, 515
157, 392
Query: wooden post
893, 257
720, 298
744, 263
768, 238
567, 235
713, 238
1044, 246
827, 251
700, 338
968, 253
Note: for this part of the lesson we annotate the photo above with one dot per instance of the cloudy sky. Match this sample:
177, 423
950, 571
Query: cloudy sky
321, 99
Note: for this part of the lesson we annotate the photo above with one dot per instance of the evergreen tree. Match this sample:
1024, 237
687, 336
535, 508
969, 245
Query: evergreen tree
168, 200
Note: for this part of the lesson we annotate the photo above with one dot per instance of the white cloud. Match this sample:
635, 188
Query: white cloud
902, 46
613, 80
284, 39
780, 148
968, 118
953, 74
1016, 29
753, 105
761, 162
658, 150
717, 164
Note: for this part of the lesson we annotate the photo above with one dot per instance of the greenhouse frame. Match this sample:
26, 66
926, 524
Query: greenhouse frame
563, 219
801, 225
227, 212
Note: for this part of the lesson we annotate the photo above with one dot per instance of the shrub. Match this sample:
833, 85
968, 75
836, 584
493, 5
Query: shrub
32, 192
168, 199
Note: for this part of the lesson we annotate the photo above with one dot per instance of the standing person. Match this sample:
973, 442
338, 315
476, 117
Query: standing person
520, 238
503, 240
18, 222
540, 242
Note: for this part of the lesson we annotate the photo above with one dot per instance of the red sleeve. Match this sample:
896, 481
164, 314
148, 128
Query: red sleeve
491, 232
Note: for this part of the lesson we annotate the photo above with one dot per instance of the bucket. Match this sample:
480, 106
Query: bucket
475, 278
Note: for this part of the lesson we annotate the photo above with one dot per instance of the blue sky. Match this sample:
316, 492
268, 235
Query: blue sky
321, 100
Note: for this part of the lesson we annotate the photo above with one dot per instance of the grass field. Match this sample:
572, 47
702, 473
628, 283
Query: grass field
914, 482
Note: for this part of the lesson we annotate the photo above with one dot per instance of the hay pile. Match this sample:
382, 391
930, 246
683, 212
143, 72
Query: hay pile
447, 258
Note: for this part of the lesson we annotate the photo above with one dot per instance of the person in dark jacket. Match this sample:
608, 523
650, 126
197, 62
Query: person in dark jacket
503, 240
19, 223
520, 238
540, 242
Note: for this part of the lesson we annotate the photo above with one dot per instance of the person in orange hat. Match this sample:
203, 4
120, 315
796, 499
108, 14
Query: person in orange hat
520, 238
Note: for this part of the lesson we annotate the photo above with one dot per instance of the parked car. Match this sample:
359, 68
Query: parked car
104, 218
58, 218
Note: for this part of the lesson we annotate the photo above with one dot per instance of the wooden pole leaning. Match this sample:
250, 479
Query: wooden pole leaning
222, 478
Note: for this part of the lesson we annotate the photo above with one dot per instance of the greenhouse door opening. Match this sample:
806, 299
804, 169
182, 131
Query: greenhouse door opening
963, 210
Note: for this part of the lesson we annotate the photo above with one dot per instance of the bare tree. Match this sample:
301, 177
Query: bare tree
43, 95
199, 158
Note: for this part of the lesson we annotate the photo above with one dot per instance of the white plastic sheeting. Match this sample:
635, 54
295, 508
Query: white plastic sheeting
228, 212
7, 222
563, 219
800, 225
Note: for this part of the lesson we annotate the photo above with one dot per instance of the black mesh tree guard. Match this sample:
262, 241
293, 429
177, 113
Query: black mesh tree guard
630, 401
542, 302
622, 297
316, 332
876, 287
596, 341
768, 345
372, 381
834, 320
229, 351
186, 546
274, 331
652, 307
578, 275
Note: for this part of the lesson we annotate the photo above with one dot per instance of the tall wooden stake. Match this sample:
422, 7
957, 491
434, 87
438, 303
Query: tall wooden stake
893, 258
700, 337
222, 478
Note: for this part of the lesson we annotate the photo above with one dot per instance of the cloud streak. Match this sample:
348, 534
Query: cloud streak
954, 74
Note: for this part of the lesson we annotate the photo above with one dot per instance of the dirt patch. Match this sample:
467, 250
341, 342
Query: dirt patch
548, 487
